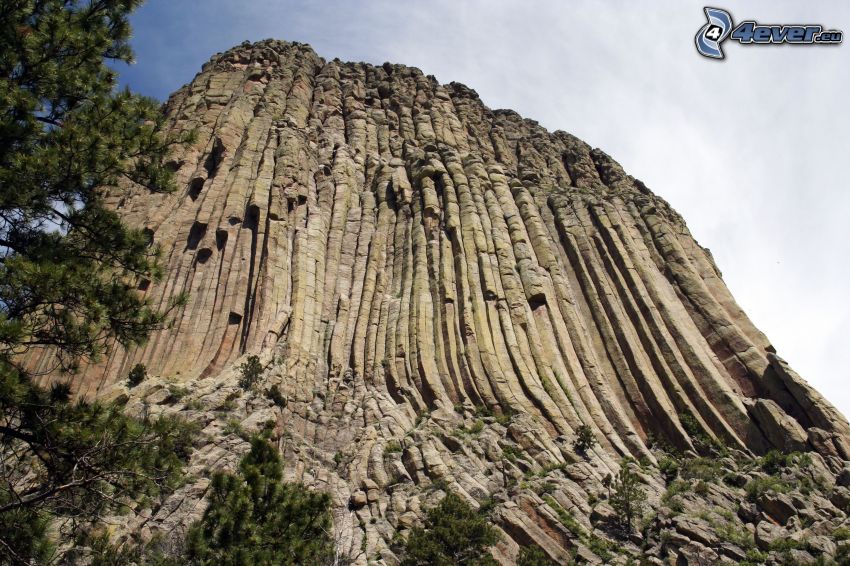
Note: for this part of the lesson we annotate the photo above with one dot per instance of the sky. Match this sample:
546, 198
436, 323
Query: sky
751, 150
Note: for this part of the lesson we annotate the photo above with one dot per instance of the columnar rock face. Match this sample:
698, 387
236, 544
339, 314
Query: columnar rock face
443, 294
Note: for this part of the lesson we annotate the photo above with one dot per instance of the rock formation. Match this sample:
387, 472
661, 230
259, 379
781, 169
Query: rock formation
443, 294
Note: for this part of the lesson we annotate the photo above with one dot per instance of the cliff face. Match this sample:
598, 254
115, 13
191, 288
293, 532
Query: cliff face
418, 271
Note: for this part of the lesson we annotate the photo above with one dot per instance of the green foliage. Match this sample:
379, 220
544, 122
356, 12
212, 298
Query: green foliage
68, 278
273, 393
842, 556
675, 488
669, 468
510, 453
91, 459
137, 375
175, 393
775, 461
706, 469
754, 557
70, 270
703, 441
628, 498
24, 533
585, 440
549, 468
255, 518
392, 446
503, 417
566, 518
229, 403
691, 425
234, 426
250, 372
757, 486
454, 534
533, 556
731, 531
101, 552
601, 547
475, 429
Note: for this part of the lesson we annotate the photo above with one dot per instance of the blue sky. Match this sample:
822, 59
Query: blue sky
752, 150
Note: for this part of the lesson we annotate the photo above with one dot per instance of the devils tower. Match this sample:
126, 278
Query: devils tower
444, 294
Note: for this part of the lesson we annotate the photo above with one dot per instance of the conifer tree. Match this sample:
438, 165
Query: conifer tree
69, 269
454, 534
255, 518
628, 498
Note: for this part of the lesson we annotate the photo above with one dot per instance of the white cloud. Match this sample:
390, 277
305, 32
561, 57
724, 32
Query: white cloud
750, 150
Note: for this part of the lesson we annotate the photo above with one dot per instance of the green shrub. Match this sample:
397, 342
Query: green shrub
786, 544
255, 518
758, 486
511, 454
674, 489
533, 556
691, 425
137, 375
703, 441
628, 498
706, 469
392, 446
175, 393
843, 554
477, 427
229, 403
754, 557
600, 546
775, 461
454, 533
503, 417
731, 531
273, 393
584, 441
669, 468
250, 372
841, 533
233, 426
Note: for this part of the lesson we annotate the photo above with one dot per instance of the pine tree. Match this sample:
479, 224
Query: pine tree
454, 534
255, 518
250, 372
69, 269
584, 441
628, 498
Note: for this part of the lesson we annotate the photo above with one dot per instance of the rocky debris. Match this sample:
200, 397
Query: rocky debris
442, 294
778, 506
